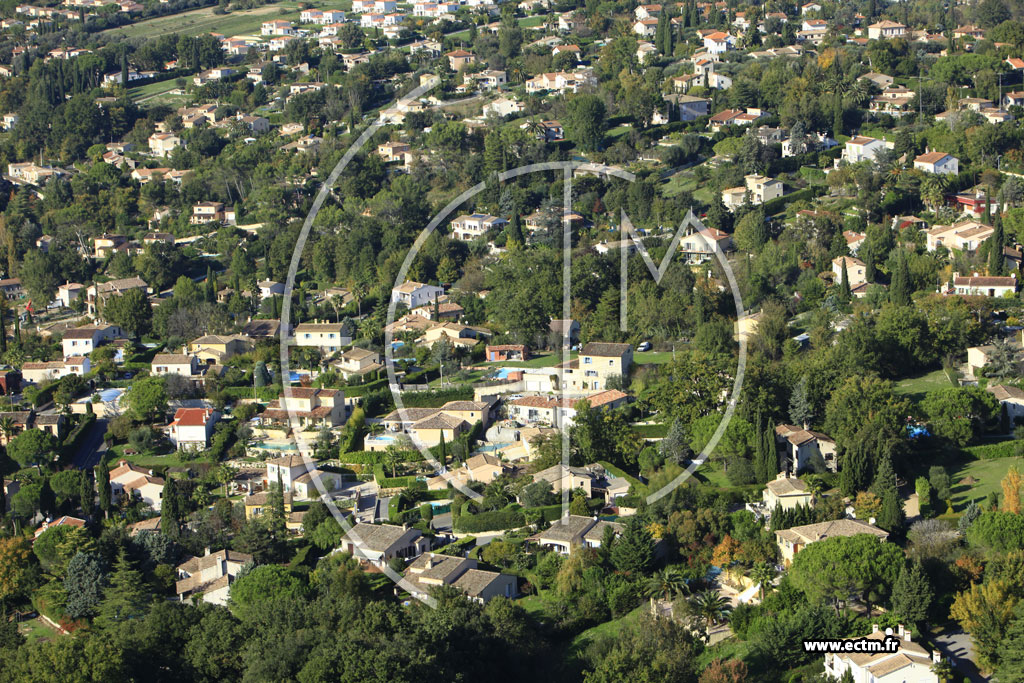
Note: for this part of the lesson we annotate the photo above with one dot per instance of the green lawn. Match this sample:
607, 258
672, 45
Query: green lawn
151, 91
607, 629
36, 631
142, 460
987, 473
652, 357
713, 474
195, 22
915, 388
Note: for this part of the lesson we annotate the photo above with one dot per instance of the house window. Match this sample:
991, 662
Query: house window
586, 360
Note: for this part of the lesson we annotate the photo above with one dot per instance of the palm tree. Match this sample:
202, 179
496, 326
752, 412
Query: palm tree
711, 607
943, 669
763, 574
665, 583
8, 428
359, 291
933, 189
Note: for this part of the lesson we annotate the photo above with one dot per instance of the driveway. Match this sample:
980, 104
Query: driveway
93, 447
957, 645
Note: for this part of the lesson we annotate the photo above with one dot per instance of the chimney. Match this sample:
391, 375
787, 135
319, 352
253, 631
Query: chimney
899, 630
206, 550
936, 656
874, 628
906, 635
871, 520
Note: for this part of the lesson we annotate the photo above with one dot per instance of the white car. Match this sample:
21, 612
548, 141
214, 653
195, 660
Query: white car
644, 346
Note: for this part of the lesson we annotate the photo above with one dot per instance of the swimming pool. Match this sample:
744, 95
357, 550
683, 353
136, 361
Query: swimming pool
277, 446
490, 447
502, 373
110, 395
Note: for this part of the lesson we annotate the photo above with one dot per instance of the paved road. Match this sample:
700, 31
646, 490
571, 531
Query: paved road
957, 645
93, 446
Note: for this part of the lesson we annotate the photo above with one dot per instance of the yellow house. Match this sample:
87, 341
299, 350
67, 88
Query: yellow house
428, 431
215, 348
259, 504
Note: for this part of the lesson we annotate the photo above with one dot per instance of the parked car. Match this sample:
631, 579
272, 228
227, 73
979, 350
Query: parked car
644, 346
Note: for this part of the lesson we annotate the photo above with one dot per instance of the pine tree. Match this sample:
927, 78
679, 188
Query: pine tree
996, 243
885, 477
1011, 659
103, 484
899, 290
634, 551
801, 409
125, 597
891, 517
912, 594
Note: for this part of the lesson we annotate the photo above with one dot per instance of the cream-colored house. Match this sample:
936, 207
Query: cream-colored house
210, 576
596, 363
313, 408
431, 570
787, 492
185, 365
216, 348
801, 448
907, 662
758, 188
791, 541
856, 270
574, 531
378, 543
328, 337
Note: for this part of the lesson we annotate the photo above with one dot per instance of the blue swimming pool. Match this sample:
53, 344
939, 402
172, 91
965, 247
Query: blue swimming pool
502, 373
110, 395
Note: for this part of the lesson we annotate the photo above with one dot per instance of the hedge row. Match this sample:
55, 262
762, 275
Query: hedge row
268, 393
364, 389
992, 451
436, 399
374, 457
492, 520
779, 204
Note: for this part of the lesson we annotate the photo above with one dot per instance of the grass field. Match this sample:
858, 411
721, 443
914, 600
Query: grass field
652, 357
195, 22
988, 474
36, 631
915, 388
156, 93
607, 629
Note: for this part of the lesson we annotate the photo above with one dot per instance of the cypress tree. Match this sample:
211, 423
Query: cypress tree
170, 511
912, 594
844, 283
3, 325
899, 289
996, 244
766, 460
837, 116
87, 495
103, 483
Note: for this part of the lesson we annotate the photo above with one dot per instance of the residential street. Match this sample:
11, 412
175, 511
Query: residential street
93, 446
